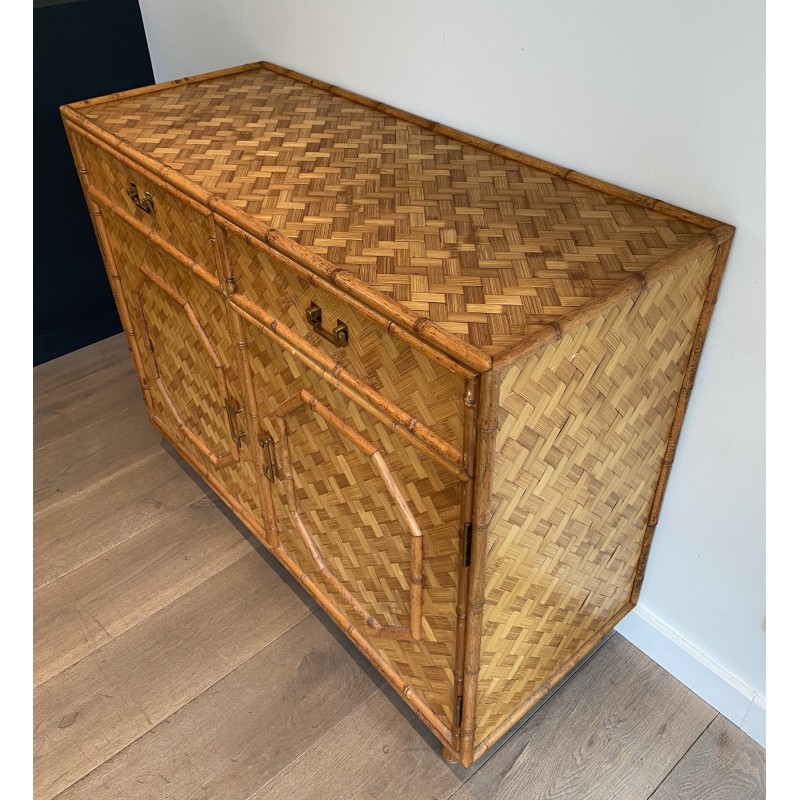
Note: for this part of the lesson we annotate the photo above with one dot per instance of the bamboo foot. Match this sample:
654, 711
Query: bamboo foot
448, 755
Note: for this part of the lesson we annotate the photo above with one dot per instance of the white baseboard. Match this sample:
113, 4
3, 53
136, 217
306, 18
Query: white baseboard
743, 706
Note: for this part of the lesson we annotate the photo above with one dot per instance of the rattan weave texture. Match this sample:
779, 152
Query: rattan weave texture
582, 432
486, 247
343, 501
469, 487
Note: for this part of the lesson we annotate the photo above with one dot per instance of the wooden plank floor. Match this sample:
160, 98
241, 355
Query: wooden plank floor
175, 659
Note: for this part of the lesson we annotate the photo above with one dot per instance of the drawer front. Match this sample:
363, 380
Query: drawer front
180, 329
349, 519
428, 391
174, 218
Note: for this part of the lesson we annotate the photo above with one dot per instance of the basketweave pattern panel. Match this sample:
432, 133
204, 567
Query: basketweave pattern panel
582, 433
486, 247
185, 228
426, 390
346, 506
181, 361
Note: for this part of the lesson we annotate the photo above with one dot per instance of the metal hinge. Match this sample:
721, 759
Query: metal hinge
459, 710
466, 544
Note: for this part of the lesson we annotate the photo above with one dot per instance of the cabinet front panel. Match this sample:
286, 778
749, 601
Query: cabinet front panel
337, 517
426, 390
181, 330
173, 218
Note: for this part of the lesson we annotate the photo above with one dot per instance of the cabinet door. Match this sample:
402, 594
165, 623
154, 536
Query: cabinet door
187, 361
369, 519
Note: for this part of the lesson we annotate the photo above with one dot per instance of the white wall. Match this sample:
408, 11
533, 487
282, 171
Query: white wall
666, 98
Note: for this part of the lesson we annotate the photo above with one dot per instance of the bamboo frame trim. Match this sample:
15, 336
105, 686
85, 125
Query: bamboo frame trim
470, 438
293, 404
486, 433
714, 281
156, 238
160, 87
515, 155
98, 223
364, 646
635, 284
252, 418
229, 458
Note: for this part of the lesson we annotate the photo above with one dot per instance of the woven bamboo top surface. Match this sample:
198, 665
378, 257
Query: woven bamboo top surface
488, 247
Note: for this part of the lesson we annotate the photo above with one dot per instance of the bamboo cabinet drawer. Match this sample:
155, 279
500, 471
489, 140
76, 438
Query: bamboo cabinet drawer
442, 381
170, 217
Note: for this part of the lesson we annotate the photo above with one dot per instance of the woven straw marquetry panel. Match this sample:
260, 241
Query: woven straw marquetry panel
487, 247
185, 228
178, 356
527, 434
424, 389
582, 433
345, 505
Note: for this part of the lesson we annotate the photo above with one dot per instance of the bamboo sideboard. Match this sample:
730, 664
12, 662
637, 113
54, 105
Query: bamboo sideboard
442, 381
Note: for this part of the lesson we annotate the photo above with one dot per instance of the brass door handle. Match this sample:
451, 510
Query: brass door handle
267, 444
233, 409
338, 336
146, 205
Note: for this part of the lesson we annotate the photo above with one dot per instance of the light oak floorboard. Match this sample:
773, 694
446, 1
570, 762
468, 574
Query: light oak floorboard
380, 751
614, 731
160, 674
85, 401
87, 524
233, 738
97, 707
62, 371
93, 604
723, 764
91, 455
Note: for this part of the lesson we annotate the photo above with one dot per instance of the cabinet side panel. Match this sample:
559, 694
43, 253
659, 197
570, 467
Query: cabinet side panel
583, 429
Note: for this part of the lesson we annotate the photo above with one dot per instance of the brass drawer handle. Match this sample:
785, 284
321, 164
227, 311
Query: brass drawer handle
338, 337
146, 205
267, 444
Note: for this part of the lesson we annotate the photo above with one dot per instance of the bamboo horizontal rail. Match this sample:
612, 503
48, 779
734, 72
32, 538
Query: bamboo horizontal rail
148, 233
390, 316
635, 284
502, 150
164, 85
482, 747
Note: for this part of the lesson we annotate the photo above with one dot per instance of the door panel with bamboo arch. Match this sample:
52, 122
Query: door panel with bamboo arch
181, 330
370, 519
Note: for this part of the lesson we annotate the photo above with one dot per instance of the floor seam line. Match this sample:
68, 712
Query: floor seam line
319, 741
142, 621
124, 541
180, 708
683, 755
